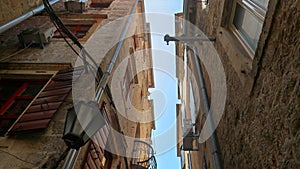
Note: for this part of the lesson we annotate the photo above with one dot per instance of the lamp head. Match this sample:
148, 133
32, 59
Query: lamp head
82, 122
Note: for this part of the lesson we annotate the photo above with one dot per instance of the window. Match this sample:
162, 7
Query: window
81, 25
79, 30
135, 42
15, 96
100, 3
247, 21
96, 157
127, 81
132, 61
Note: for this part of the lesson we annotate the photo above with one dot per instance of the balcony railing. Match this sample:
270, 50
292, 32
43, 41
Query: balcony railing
143, 156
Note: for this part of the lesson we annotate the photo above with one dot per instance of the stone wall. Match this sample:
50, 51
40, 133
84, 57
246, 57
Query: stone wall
11, 9
260, 128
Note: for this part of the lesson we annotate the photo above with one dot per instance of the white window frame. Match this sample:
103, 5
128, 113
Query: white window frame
257, 12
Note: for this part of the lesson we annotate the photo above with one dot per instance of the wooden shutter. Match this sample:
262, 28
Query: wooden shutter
47, 103
95, 154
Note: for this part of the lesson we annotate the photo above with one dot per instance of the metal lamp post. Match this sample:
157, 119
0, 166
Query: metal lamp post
78, 132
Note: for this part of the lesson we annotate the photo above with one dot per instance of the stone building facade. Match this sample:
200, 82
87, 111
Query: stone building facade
258, 44
37, 79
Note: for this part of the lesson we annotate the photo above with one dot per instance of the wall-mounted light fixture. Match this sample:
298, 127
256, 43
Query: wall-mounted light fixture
82, 122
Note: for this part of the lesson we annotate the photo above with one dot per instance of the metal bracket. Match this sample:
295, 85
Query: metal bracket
206, 1
169, 38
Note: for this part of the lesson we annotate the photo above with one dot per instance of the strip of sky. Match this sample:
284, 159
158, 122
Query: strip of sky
162, 22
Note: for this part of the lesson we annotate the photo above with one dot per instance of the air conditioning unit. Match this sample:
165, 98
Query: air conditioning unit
39, 36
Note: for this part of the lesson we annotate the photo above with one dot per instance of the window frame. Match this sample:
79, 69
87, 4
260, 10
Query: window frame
244, 65
258, 12
99, 5
133, 65
91, 21
127, 80
76, 29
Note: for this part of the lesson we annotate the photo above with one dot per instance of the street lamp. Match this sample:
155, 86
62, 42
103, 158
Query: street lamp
82, 122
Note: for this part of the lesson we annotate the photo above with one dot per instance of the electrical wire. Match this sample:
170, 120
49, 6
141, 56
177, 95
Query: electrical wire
55, 19
17, 52
17, 157
51, 13
58, 27
61, 28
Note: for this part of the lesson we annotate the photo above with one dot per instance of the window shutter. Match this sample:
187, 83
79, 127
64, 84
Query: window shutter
39, 113
95, 154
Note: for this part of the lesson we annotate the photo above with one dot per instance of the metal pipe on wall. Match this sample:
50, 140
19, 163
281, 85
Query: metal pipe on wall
185, 16
23, 17
213, 138
187, 41
105, 77
72, 155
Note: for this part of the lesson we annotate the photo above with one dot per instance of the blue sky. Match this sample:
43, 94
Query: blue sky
165, 92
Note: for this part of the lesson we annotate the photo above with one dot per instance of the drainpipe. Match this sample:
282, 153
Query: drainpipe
167, 38
213, 138
185, 16
72, 155
105, 77
71, 158
189, 40
25, 16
